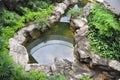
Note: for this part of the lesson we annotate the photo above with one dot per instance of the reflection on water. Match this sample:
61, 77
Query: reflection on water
56, 42
45, 52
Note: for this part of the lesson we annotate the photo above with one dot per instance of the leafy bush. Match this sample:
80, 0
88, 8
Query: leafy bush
75, 13
6, 67
1, 43
57, 77
104, 32
9, 70
85, 78
42, 18
104, 20
9, 18
35, 5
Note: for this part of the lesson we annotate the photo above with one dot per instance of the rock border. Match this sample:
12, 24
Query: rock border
92, 64
109, 68
19, 53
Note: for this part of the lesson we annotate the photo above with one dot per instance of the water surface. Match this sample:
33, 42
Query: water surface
46, 52
55, 43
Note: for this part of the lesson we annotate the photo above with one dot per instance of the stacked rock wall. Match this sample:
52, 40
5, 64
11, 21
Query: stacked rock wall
100, 66
88, 63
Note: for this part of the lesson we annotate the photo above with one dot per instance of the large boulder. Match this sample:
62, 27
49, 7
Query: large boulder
18, 52
71, 2
59, 10
103, 68
87, 8
113, 5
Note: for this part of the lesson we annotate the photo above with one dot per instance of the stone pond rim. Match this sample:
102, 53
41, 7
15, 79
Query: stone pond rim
96, 65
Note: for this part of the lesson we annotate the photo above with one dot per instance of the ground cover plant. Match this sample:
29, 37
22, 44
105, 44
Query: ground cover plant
11, 22
104, 32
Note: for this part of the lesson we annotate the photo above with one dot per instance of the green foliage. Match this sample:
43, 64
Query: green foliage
33, 75
9, 70
1, 43
64, 27
11, 22
6, 66
42, 24
75, 13
85, 78
9, 18
35, 5
104, 32
103, 20
57, 77
22, 10
42, 18
1, 29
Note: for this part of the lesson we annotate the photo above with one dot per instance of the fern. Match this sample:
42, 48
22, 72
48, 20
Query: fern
104, 32
9, 18
104, 20
73, 13
85, 78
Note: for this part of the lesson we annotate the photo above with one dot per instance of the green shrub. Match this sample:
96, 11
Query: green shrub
35, 5
6, 66
104, 32
9, 18
85, 78
1, 43
73, 13
103, 20
33, 75
57, 77
42, 18
1, 29
9, 70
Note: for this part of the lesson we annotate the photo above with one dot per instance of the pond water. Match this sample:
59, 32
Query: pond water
55, 43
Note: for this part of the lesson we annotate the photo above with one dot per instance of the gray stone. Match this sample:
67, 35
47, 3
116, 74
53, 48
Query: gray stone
32, 30
70, 70
18, 52
96, 65
77, 23
83, 44
83, 54
87, 8
114, 64
35, 33
65, 19
20, 38
62, 5
101, 1
83, 31
113, 5
53, 19
58, 9
71, 2
76, 7
98, 61
38, 68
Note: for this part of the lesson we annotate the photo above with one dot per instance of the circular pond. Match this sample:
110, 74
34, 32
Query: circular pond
56, 46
